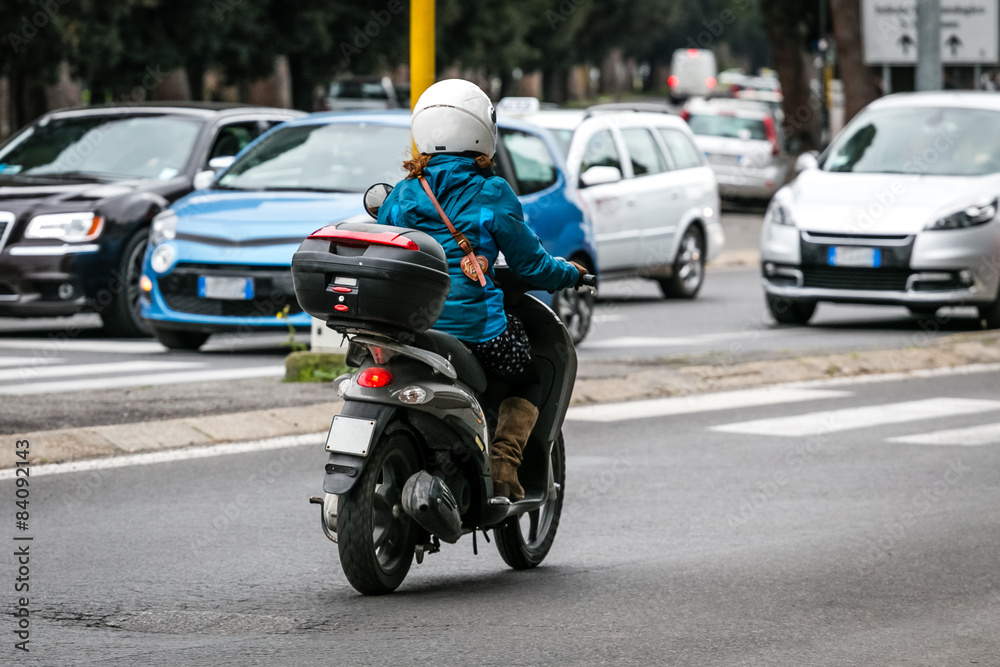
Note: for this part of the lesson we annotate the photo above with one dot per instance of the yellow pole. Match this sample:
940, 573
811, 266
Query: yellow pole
421, 48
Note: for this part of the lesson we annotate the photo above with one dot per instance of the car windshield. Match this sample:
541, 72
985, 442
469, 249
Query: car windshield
728, 126
931, 141
338, 157
102, 147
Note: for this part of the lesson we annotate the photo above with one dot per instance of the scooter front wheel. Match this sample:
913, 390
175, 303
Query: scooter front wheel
376, 538
524, 541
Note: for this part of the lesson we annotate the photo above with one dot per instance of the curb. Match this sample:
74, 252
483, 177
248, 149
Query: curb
75, 444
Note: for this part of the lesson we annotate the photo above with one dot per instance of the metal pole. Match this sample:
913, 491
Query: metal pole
886, 80
928, 44
421, 47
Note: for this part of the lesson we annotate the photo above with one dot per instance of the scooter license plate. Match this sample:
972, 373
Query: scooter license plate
350, 435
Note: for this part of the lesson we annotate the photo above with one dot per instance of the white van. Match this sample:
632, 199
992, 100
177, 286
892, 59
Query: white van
693, 73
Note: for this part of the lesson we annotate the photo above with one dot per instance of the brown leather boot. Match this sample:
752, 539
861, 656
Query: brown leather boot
517, 418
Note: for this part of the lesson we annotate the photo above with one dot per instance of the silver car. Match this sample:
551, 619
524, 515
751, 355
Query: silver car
901, 209
743, 144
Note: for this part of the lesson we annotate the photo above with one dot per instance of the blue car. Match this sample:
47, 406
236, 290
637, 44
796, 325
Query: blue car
219, 259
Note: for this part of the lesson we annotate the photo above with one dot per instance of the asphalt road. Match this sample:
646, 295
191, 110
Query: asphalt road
750, 529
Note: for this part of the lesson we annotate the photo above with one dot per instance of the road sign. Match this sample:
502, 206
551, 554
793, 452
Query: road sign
970, 32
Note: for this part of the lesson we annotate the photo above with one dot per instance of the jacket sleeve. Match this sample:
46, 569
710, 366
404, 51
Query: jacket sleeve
389, 211
521, 247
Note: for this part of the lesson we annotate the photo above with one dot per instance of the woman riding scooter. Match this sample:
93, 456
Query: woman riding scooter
452, 194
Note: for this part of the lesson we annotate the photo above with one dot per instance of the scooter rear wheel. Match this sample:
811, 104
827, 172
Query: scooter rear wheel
524, 541
375, 537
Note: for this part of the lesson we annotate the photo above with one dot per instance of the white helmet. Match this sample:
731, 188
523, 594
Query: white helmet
454, 116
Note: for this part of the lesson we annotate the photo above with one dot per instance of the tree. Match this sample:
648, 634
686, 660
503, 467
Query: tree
791, 25
860, 85
32, 49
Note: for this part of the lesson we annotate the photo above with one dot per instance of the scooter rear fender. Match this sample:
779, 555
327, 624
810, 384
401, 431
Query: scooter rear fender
344, 470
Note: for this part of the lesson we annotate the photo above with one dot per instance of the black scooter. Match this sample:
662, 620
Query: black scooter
409, 463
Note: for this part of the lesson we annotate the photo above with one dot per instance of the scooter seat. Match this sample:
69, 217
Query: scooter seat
466, 365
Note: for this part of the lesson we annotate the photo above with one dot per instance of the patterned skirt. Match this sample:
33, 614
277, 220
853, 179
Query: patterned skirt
507, 355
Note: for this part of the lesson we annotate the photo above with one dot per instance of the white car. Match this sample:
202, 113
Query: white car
900, 210
692, 74
653, 201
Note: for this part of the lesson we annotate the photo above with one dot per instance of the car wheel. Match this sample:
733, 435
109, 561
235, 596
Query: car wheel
181, 340
122, 317
790, 311
689, 267
575, 308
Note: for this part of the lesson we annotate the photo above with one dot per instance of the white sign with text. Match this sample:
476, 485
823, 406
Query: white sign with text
970, 32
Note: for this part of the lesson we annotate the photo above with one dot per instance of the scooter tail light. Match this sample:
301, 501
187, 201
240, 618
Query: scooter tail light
374, 377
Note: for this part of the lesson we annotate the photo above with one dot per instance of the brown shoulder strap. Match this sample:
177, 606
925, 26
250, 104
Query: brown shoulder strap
463, 243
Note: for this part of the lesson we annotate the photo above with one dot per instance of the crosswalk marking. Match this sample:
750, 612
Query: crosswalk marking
41, 345
974, 436
830, 421
208, 375
678, 405
6, 362
54, 371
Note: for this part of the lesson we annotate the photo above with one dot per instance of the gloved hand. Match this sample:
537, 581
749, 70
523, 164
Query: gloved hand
583, 271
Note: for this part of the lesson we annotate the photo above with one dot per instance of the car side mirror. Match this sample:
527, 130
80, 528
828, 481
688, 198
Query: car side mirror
203, 179
600, 176
808, 160
221, 162
375, 196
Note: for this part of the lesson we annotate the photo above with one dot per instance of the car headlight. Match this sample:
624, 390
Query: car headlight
778, 215
164, 228
163, 258
970, 217
68, 227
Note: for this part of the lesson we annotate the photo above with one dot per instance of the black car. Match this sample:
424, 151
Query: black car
79, 187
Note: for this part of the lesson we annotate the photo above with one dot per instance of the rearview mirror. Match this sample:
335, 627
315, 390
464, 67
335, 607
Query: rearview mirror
221, 162
203, 179
375, 196
808, 160
600, 176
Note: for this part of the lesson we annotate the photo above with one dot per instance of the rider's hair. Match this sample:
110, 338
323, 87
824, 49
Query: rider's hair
415, 166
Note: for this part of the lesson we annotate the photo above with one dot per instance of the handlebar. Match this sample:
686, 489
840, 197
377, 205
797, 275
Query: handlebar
588, 280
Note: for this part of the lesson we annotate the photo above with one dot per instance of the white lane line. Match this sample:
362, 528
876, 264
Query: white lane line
974, 436
6, 362
149, 458
831, 421
679, 405
210, 375
704, 339
25, 373
62, 344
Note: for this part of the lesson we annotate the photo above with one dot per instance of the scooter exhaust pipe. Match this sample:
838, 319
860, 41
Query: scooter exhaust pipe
431, 503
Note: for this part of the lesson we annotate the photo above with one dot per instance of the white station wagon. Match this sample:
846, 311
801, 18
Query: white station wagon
653, 200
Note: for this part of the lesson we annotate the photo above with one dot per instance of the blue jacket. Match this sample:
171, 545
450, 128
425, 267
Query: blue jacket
485, 209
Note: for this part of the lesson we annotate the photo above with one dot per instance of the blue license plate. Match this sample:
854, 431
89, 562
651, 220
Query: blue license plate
225, 287
870, 258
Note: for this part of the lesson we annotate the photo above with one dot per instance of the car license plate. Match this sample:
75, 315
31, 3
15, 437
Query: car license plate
350, 435
219, 287
863, 257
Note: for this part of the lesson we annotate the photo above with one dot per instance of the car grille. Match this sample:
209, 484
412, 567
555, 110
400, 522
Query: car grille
273, 290
839, 277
